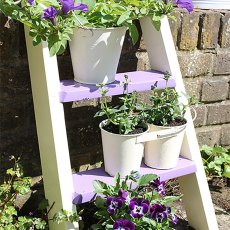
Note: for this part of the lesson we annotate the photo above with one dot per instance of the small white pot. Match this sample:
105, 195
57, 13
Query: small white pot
212, 4
121, 153
95, 54
163, 153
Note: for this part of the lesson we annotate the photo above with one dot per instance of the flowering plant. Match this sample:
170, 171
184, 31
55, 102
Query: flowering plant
54, 20
134, 204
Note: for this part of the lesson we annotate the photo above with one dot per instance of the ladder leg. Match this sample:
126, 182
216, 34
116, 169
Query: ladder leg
51, 131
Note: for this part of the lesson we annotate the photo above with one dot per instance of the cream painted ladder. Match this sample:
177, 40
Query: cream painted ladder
52, 137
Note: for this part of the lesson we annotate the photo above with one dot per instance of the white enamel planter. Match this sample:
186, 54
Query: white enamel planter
163, 145
121, 153
95, 54
212, 4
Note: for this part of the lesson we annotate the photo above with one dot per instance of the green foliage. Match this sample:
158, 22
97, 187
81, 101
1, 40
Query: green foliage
165, 106
101, 13
123, 116
16, 184
132, 187
216, 161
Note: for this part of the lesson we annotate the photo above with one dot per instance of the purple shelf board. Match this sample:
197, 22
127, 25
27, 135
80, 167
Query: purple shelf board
83, 181
70, 90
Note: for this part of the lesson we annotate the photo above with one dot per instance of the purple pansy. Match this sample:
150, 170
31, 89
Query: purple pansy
123, 194
139, 207
113, 203
31, 2
187, 4
123, 225
158, 212
174, 219
159, 186
50, 13
68, 5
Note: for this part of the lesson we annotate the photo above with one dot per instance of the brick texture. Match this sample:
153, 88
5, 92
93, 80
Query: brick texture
214, 91
225, 31
222, 65
201, 117
210, 30
175, 25
225, 135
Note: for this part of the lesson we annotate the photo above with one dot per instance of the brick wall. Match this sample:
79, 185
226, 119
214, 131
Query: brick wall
202, 41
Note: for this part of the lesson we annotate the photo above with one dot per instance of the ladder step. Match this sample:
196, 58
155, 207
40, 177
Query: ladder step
83, 181
70, 90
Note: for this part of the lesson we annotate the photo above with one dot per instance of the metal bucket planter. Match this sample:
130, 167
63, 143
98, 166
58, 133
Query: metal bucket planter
163, 145
95, 54
121, 153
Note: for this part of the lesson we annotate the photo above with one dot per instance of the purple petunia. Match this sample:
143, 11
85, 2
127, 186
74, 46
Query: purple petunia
68, 5
159, 186
187, 4
31, 2
113, 203
50, 13
174, 219
158, 212
139, 207
123, 225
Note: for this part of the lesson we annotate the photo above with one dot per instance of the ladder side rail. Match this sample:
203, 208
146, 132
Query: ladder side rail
196, 194
51, 130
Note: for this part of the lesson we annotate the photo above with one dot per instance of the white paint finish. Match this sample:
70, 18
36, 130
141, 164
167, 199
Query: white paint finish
212, 4
51, 130
197, 197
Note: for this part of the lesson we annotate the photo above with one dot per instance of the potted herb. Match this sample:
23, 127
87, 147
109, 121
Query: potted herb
119, 131
134, 204
165, 116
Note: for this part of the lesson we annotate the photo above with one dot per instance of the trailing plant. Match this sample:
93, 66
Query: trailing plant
54, 20
165, 107
216, 161
124, 116
134, 203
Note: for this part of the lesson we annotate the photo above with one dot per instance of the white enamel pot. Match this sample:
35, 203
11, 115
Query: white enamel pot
122, 154
163, 145
95, 54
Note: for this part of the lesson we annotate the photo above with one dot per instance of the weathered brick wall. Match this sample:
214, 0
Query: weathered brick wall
202, 40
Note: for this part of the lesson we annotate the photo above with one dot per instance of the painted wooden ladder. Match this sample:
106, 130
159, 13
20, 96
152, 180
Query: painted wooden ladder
67, 189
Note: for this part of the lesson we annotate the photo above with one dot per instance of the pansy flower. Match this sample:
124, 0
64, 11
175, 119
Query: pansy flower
187, 4
114, 203
50, 13
123, 194
123, 225
174, 219
138, 207
68, 5
158, 212
159, 186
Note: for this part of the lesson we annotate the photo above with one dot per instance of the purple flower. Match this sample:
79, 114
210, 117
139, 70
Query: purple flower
123, 225
174, 219
139, 207
159, 186
123, 194
50, 13
114, 203
68, 5
31, 2
158, 212
187, 4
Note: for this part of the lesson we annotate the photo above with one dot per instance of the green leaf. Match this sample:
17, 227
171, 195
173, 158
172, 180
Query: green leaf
226, 172
145, 179
99, 202
133, 32
99, 186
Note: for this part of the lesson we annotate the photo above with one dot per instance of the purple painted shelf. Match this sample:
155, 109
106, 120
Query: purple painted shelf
83, 181
139, 81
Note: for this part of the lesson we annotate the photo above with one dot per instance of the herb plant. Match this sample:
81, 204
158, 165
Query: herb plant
165, 107
134, 204
216, 161
125, 116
